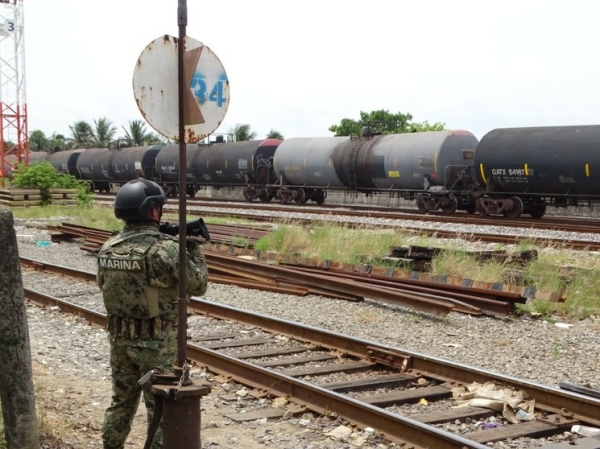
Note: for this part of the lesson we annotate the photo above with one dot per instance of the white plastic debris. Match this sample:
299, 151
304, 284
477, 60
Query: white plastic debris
585, 431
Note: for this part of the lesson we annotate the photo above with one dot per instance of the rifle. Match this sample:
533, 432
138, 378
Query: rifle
196, 228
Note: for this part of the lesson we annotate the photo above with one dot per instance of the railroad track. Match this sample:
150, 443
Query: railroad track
341, 217
369, 384
566, 224
431, 297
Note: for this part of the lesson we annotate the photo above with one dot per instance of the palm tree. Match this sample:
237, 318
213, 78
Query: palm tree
274, 134
157, 139
137, 135
57, 142
242, 132
104, 132
81, 135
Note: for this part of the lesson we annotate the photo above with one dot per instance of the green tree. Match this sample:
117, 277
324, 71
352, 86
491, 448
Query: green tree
426, 126
384, 122
242, 132
157, 139
137, 134
38, 141
103, 133
8, 145
57, 142
81, 135
274, 134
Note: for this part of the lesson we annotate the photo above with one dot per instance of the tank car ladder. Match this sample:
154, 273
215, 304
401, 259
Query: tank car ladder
352, 179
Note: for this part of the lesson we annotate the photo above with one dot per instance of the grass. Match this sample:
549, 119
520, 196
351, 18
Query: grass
575, 274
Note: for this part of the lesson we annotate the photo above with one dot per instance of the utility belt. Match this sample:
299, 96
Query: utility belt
139, 329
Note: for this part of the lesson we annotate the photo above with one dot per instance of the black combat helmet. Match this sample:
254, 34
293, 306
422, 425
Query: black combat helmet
136, 198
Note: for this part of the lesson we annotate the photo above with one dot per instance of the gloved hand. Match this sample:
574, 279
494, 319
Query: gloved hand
192, 244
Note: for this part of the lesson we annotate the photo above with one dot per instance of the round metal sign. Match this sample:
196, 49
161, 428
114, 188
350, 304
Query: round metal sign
155, 87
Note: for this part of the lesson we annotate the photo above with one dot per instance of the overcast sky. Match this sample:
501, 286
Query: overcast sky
300, 67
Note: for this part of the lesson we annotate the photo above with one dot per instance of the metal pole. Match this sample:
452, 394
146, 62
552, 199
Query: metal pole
182, 299
178, 393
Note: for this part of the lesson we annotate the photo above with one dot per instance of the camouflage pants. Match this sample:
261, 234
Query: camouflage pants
129, 361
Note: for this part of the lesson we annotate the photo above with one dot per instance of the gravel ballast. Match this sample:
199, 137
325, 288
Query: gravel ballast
544, 351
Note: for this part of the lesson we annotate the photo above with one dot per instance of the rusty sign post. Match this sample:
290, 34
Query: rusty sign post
182, 91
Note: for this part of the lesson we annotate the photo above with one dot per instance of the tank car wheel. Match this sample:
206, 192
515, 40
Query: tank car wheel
421, 206
538, 210
320, 199
172, 191
265, 197
471, 208
450, 207
191, 191
300, 196
517, 209
248, 196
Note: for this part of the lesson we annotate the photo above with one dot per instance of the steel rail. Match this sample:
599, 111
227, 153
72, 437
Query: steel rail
321, 216
326, 402
318, 284
558, 223
551, 399
394, 427
327, 282
437, 233
435, 306
584, 408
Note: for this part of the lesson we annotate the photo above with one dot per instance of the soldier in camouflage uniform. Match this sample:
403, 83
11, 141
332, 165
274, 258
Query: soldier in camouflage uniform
138, 272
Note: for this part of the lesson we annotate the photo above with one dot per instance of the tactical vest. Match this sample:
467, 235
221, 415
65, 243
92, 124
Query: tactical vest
127, 291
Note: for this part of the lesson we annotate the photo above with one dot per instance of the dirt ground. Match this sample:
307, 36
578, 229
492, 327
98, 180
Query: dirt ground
70, 412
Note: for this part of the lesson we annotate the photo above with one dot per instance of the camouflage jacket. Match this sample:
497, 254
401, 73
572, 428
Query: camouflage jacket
138, 273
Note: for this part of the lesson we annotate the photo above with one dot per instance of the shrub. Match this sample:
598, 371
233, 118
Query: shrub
43, 176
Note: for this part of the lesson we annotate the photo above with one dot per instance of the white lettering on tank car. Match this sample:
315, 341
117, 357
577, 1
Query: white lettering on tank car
512, 172
566, 179
168, 168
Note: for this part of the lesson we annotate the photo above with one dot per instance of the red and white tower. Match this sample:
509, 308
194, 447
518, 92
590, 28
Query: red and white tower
14, 138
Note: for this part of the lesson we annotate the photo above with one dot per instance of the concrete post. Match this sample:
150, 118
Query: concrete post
16, 384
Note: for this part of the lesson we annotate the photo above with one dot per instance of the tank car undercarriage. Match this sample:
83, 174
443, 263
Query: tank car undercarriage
511, 207
300, 195
261, 193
